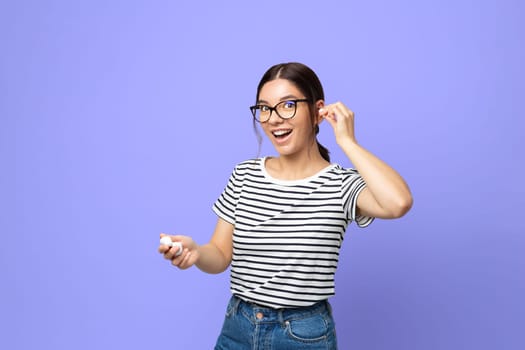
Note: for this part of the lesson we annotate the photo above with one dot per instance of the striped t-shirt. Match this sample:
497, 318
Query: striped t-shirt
287, 234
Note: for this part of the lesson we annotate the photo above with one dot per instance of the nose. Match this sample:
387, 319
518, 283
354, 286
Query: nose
274, 118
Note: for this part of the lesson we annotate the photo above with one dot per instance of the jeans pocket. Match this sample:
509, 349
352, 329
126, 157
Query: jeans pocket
231, 307
310, 329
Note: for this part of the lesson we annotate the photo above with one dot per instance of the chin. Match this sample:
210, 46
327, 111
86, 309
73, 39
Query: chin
285, 151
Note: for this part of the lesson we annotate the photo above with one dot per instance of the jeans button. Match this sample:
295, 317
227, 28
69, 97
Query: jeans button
259, 315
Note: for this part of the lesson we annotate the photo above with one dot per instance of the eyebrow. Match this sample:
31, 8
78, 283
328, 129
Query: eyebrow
284, 98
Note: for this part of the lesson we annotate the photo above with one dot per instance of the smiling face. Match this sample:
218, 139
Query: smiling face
289, 136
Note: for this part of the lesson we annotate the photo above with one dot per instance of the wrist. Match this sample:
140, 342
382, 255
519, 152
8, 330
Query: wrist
347, 143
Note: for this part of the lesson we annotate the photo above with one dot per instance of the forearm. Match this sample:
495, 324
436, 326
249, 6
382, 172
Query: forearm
211, 259
386, 186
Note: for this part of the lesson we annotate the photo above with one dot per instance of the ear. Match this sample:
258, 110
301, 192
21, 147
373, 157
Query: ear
318, 105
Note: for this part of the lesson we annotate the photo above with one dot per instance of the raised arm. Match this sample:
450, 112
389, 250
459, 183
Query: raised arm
387, 195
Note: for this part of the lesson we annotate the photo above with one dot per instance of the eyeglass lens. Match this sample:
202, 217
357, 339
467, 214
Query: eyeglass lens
285, 110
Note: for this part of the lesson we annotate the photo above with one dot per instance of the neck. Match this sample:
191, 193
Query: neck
297, 166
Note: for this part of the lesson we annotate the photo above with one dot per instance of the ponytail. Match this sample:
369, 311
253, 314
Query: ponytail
325, 153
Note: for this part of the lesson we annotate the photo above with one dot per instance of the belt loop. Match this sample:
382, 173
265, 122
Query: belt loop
280, 316
236, 303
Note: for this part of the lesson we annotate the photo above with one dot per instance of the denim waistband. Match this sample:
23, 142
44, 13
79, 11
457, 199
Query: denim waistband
260, 314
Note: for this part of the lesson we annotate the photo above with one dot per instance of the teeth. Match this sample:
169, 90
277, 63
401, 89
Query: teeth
280, 132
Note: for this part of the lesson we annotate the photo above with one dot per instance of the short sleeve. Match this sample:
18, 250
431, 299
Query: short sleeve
353, 184
225, 205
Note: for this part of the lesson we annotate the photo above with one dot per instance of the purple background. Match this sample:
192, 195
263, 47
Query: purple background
123, 119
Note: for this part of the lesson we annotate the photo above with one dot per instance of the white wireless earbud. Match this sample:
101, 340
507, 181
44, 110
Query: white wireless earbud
167, 241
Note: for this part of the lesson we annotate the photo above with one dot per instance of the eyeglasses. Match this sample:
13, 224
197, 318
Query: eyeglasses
285, 110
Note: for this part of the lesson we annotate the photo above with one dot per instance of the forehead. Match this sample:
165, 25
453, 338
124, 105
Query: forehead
275, 90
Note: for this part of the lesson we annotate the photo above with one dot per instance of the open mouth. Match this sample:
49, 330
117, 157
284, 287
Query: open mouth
282, 133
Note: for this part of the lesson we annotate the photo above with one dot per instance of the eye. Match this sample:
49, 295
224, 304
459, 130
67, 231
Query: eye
264, 108
288, 104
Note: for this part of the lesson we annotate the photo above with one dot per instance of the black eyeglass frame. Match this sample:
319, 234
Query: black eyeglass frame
253, 109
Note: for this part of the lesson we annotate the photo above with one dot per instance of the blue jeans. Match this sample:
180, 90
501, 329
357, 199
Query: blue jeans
252, 327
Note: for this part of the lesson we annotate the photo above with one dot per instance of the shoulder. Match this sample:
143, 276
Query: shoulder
248, 165
344, 172
348, 178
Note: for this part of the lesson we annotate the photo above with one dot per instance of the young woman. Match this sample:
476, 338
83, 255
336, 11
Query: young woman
281, 220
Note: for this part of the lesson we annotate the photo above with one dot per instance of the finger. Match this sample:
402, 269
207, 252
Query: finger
167, 254
329, 119
171, 253
177, 260
322, 111
185, 263
163, 248
327, 113
344, 111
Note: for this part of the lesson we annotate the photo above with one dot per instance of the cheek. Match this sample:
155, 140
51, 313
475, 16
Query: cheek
309, 126
266, 130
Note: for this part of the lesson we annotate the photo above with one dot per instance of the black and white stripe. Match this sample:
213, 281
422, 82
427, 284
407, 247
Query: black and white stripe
288, 234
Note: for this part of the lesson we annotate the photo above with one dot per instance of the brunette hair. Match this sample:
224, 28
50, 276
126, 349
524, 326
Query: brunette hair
305, 79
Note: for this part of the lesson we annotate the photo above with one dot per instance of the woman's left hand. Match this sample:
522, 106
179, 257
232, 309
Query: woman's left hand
341, 118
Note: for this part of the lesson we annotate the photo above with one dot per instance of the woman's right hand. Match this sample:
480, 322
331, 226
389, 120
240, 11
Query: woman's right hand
189, 255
